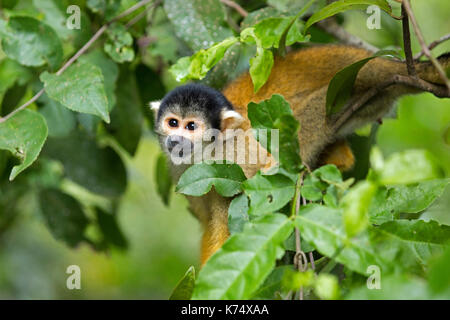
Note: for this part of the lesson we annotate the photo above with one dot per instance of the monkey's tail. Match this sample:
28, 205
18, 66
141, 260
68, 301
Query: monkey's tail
427, 71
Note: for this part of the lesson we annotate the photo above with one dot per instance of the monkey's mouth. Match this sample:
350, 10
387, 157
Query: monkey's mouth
180, 150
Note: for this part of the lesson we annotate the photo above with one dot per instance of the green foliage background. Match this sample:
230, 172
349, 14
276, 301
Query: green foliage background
154, 245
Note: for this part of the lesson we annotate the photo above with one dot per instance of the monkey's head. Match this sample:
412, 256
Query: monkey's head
189, 116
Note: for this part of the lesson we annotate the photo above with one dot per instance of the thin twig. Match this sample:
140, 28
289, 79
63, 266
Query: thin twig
424, 46
236, 7
79, 54
332, 27
407, 44
360, 101
433, 45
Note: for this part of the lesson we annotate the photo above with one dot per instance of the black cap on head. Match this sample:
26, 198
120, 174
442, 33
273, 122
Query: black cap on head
196, 98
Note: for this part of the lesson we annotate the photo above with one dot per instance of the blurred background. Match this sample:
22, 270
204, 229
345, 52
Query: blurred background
164, 241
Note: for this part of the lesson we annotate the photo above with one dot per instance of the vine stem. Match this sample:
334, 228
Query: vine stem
300, 259
433, 45
236, 7
426, 50
80, 53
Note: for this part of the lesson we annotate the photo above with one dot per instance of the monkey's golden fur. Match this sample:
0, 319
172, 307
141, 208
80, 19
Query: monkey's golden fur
302, 77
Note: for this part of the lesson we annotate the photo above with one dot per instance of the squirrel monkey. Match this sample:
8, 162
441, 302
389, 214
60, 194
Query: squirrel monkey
302, 77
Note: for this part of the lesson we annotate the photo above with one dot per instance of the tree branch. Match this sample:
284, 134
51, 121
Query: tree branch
433, 45
332, 27
427, 52
236, 7
439, 91
79, 54
407, 44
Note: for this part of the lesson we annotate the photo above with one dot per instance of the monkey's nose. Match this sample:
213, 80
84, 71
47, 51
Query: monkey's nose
172, 141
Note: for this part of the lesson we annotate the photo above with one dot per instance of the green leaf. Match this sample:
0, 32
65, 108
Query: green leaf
64, 216
198, 22
119, 44
324, 229
202, 61
326, 287
438, 275
23, 135
273, 284
60, 121
127, 118
80, 88
329, 173
275, 113
185, 287
110, 72
268, 193
237, 269
238, 214
108, 8
163, 178
89, 165
199, 179
12, 72
388, 203
110, 229
257, 16
260, 67
270, 31
355, 206
341, 85
420, 239
344, 5
393, 287
32, 43
409, 166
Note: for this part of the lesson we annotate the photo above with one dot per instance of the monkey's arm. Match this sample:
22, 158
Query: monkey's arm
302, 77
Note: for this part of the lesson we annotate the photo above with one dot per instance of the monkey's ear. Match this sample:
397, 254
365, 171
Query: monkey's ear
154, 105
231, 119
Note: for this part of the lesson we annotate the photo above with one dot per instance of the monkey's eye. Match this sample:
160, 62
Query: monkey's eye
191, 126
173, 123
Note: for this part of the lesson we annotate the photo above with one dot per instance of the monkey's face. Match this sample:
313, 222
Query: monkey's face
179, 135
190, 119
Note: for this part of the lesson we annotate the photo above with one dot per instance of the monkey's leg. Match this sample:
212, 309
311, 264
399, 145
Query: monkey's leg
339, 154
212, 211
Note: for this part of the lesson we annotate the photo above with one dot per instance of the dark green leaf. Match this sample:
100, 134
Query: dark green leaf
388, 203
275, 113
324, 229
110, 73
163, 178
119, 44
60, 120
89, 165
340, 6
268, 193
64, 216
127, 118
23, 135
198, 22
79, 88
199, 179
245, 260
185, 287
238, 214
341, 85
32, 43
110, 229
